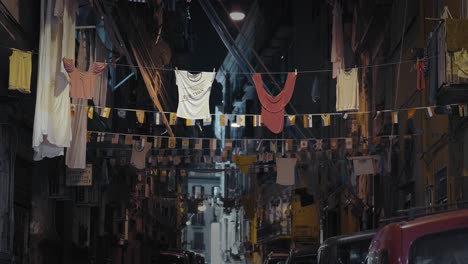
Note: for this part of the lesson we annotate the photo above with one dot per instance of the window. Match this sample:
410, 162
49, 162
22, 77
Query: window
355, 252
446, 247
198, 241
441, 186
199, 219
198, 191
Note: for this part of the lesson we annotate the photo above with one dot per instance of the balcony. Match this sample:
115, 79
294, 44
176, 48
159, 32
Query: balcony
268, 232
450, 79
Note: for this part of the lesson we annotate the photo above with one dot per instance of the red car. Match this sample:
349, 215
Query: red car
439, 238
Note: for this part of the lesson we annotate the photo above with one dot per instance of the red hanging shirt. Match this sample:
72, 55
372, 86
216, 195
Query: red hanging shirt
273, 106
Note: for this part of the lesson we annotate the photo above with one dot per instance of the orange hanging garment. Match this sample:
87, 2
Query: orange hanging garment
273, 106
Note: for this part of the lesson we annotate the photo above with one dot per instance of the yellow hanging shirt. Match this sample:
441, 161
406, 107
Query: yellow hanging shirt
20, 71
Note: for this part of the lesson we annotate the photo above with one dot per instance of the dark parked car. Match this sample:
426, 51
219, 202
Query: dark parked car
275, 258
346, 249
169, 257
303, 255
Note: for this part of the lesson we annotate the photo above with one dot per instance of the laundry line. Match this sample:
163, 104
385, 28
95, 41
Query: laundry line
249, 73
344, 114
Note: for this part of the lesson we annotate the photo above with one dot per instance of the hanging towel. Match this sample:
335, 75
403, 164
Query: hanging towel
347, 91
194, 94
286, 171
273, 106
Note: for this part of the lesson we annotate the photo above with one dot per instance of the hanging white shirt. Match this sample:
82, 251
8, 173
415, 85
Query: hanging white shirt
347, 91
52, 120
194, 94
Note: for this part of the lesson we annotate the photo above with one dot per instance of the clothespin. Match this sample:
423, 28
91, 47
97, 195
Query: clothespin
295, 71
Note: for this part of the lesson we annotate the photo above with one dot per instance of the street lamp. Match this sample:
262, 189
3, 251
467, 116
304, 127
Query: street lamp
237, 15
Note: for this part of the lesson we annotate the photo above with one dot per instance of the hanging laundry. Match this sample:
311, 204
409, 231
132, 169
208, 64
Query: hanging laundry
286, 171
273, 106
52, 119
194, 94
337, 48
20, 71
82, 83
347, 91
139, 151
244, 162
420, 78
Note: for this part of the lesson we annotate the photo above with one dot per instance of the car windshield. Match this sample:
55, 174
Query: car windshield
352, 253
171, 259
447, 247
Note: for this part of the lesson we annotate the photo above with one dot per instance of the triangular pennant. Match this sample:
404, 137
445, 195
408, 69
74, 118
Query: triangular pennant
140, 115
318, 144
326, 120
158, 119
90, 111
115, 139
213, 143
333, 143
157, 142
88, 136
198, 143
72, 110
273, 146
411, 113
189, 122
288, 145
185, 143
308, 121
106, 112
429, 111
172, 119
121, 113
172, 143
345, 116
240, 120
207, 121
290, 120
304, 144
222, 120
349, 143
394, 117
228, 144
128, 140
257, 120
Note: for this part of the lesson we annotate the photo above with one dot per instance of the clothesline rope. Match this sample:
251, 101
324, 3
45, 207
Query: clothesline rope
315, 114
249, 73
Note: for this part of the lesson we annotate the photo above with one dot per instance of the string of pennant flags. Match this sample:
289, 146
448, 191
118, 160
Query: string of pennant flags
240, 119
235, 145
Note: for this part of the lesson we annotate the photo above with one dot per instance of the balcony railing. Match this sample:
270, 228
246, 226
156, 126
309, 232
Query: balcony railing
269, 231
